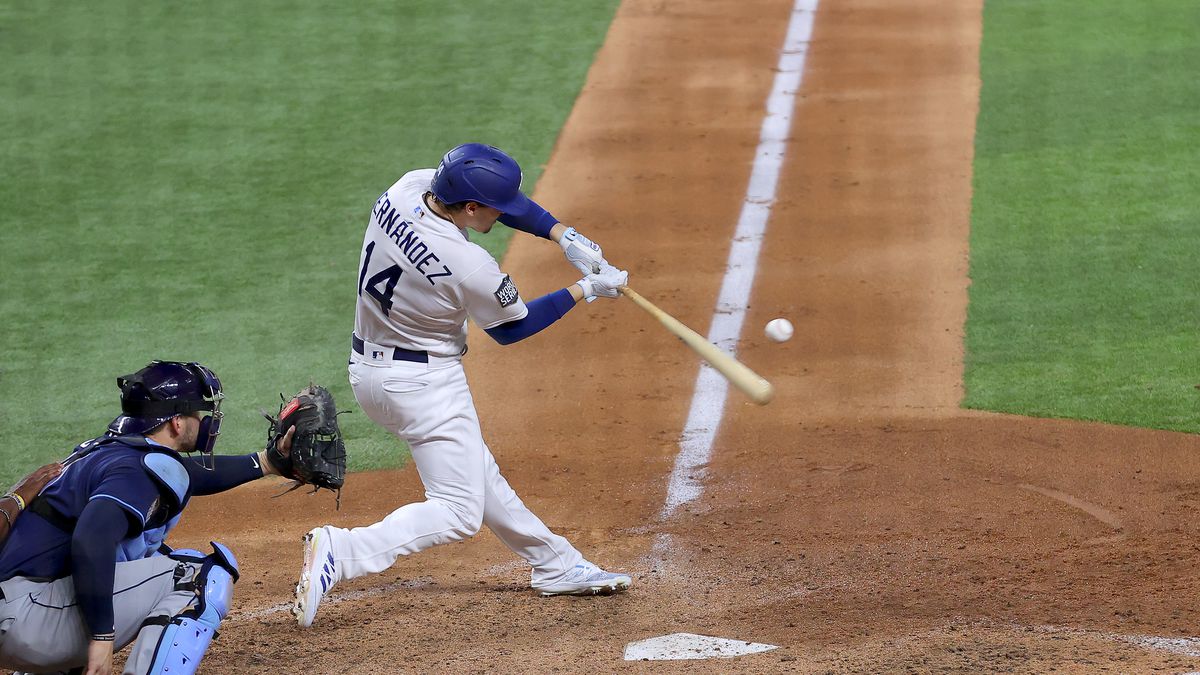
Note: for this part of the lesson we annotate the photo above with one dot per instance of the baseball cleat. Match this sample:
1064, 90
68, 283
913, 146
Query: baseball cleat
587, 579
316, 578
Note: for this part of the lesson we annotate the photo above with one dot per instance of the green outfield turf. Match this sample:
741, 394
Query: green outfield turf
1085, 295
191, 181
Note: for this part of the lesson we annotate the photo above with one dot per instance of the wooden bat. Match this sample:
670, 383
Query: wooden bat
751, 383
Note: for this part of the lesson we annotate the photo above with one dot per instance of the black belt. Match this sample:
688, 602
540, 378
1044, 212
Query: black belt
40, 506
398, 353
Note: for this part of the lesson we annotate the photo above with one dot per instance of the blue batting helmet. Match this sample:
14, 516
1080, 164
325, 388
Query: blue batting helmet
476, 172
166, 389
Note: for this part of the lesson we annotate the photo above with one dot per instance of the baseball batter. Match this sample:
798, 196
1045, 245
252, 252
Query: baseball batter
419, 279
85, 570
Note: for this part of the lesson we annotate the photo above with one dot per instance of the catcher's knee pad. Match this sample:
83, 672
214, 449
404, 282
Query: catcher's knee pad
187, 635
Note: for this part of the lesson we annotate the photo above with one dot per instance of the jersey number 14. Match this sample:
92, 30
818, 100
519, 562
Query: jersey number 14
387, 278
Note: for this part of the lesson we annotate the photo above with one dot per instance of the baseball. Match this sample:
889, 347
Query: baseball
779, 330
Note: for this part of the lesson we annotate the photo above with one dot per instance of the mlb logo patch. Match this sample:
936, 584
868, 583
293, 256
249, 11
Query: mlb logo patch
376, 355
507, 293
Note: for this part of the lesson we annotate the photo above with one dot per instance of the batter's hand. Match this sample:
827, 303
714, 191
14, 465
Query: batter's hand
582, 252
605, 283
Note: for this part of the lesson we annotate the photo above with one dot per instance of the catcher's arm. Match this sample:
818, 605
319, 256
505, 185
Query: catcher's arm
225, 472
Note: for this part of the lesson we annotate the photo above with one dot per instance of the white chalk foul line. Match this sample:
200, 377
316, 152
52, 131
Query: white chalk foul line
708, 401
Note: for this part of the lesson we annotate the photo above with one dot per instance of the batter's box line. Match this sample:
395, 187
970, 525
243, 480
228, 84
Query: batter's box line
335, 598
1184, 646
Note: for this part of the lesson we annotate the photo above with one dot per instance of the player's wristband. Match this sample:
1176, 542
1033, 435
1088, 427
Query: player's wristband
585, 284
18, 499
262, 458
104, 637
7, 517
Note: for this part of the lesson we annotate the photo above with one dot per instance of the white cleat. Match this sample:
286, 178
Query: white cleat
587, 579
316, 578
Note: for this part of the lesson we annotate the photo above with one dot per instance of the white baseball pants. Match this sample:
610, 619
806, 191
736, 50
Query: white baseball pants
430, 407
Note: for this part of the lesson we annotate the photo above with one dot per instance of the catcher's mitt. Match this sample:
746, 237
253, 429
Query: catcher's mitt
318, 454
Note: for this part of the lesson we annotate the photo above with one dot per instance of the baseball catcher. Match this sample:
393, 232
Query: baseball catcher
98, 540
318, 453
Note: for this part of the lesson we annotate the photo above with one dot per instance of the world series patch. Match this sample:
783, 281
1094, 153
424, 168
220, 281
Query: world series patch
507, 293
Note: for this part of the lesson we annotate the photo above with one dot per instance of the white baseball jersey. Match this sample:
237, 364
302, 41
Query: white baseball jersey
420, 277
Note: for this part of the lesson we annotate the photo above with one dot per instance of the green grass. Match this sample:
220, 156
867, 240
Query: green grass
192, 181
1085, 295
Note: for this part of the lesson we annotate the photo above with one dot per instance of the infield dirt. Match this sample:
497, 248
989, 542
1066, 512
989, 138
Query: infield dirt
862, 521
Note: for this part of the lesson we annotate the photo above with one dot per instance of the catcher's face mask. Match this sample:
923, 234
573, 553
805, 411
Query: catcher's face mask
210, 424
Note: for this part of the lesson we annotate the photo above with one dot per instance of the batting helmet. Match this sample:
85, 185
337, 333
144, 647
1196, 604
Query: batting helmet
165, 389
474, 172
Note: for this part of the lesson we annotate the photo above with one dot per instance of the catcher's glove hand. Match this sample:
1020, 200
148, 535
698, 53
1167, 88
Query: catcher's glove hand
318, 453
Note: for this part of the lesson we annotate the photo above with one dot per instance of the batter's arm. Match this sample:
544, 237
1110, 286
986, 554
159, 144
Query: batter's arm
536, 221
542, 312
553, 306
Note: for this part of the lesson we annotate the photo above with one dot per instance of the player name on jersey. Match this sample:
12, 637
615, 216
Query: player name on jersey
401, 233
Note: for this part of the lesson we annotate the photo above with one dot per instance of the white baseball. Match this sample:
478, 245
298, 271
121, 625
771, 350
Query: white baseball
779, 330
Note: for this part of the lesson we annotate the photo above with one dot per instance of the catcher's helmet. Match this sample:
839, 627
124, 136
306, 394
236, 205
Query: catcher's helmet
480, 173
166, 389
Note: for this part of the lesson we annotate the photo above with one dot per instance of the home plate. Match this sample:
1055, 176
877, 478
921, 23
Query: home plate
678, 646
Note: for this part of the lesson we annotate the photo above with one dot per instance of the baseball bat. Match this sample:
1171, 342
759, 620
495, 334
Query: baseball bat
751, 383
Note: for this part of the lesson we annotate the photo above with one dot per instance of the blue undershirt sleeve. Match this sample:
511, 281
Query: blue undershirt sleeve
537, 221
542, 312
101, 526
229, 471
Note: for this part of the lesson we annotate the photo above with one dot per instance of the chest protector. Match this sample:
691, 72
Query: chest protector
164, 466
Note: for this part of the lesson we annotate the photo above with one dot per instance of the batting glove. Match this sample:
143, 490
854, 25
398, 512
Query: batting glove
605, 283
582, 252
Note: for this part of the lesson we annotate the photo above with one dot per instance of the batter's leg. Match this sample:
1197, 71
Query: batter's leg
550, 555
432, 410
